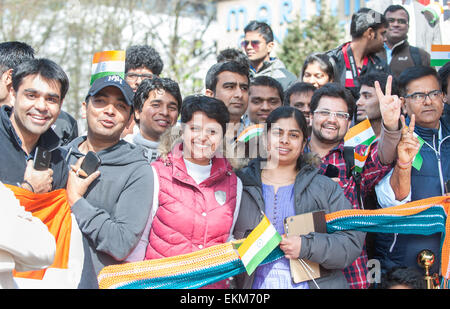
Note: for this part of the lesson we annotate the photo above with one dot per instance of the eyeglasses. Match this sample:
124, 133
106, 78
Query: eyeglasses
338, 115
134, 76
420, 97
400, 21
254, 43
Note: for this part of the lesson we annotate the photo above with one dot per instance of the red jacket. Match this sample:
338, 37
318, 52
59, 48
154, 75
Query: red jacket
191, 216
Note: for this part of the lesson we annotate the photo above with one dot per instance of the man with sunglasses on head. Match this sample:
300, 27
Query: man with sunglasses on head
258, 43
332, 108
358, 57
397, 52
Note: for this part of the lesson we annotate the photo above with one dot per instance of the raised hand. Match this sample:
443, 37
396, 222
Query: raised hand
390, 105
409, 145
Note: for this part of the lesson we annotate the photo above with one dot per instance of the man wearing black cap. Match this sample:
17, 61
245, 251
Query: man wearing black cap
112, 204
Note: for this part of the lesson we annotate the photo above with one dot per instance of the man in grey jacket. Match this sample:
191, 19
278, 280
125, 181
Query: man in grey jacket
112, 204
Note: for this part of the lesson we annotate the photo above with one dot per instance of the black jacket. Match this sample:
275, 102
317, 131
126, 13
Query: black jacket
13, 159
375, 64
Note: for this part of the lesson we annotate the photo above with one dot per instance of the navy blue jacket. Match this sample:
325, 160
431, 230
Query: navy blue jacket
13, 159
401, 250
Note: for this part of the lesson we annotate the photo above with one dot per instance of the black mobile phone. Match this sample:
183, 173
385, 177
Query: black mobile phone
90, 163
332, 171
42, 158
447, 186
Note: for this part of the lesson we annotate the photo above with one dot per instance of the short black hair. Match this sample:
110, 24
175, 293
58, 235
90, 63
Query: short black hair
150, 84
407, 276
46, 68
444, 73
228, 66
370, 78
334, 90
394, 8
139, 56
412, 73
298, 87
14, 53
268, 81
233, 54
262, 28
324, 62
212, 107
364, 19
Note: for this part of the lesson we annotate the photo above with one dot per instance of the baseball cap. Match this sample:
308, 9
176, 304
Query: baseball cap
112, 80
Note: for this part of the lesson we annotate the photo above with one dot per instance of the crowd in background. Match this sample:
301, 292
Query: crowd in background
158, 175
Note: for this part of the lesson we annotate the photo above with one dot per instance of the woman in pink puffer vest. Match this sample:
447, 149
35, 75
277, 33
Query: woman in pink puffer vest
198, 194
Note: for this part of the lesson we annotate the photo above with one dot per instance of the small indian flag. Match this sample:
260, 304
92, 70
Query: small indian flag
258, 245
360, 134
418, 160
360, 160
107, 63
250, 132
440, 55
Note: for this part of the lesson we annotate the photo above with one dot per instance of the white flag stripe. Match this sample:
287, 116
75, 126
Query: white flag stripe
440, 55
269, 232
360, 138
108, 66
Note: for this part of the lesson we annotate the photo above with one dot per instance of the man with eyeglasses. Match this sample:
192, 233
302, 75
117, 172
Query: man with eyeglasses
141, 62
397, 52
258, 43
332, 108
423, 100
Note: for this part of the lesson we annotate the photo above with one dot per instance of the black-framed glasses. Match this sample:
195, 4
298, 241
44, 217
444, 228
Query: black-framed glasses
400, 21
339, 115
420, 97
254, 43
134, 76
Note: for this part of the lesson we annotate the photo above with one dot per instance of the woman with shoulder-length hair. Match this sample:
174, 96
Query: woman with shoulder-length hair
197, 194
318, 70
289, 184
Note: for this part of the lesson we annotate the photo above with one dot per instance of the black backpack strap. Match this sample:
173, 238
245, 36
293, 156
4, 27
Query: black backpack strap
415, 55
349, 157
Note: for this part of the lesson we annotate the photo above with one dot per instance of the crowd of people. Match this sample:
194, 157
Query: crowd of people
172, 177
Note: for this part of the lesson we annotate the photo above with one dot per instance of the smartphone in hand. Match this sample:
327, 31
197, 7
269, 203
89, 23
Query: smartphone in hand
90, 163
42, 158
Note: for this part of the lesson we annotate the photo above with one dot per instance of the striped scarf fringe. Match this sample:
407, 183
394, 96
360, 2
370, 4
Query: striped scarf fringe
213, 264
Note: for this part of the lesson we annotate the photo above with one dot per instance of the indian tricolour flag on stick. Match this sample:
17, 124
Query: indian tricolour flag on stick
440, 55
258, 245
250, 132
360, 134
107, 63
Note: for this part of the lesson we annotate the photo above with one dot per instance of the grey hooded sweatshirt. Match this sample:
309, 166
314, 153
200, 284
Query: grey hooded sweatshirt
113, 212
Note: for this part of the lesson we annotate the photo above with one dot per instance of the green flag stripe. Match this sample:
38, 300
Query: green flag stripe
102, 74
263, 253
438, 62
